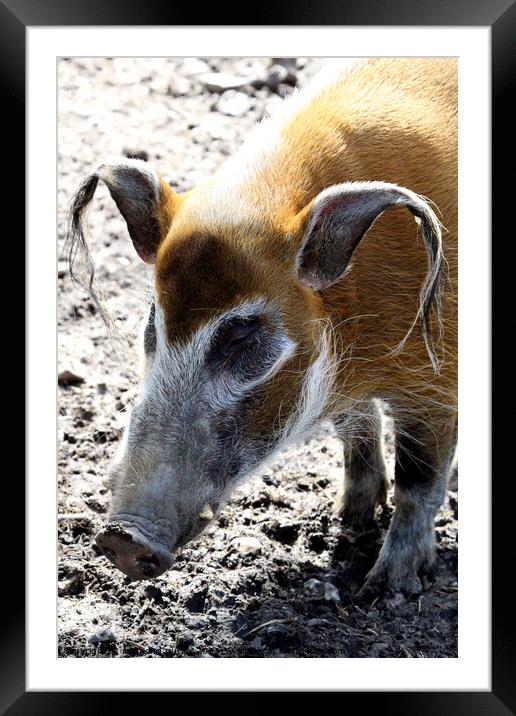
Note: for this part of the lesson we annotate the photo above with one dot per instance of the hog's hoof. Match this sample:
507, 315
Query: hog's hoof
358, 522
379, 584
359, 518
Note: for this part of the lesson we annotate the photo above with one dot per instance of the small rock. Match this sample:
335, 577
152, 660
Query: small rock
194, 66
278, 74
132, 153
233, 103
247, 545
315, 589
179, 86
102, 635
68, 377
331, 593
381, 645
220, 81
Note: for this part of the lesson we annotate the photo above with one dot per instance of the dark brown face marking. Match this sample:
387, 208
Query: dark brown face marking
199, 276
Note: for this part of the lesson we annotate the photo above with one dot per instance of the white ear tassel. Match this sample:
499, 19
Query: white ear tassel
206, 513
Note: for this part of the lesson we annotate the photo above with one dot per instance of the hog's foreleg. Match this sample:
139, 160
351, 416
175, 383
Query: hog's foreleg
424, 451
365, 482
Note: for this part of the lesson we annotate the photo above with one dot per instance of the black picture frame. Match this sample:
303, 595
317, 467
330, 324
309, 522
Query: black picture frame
500, 15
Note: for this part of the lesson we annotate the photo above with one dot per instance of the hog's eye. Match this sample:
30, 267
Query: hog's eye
235, 335
245, 349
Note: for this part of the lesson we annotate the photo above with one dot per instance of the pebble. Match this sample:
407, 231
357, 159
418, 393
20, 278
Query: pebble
233, 103
316, 589
179, 86
381, 645
276, 633
247, 545
220, 81
103, 635
68, 377
194, 66
133, 153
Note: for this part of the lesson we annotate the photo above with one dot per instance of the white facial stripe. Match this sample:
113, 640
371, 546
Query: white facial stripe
177, 366
315, 398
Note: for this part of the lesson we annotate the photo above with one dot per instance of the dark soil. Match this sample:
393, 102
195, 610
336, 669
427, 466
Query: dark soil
293, 592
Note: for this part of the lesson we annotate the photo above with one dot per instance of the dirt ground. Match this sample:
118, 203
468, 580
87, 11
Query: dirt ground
293, 593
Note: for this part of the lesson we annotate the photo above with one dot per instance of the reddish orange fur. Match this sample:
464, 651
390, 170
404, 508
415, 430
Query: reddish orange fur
391, 120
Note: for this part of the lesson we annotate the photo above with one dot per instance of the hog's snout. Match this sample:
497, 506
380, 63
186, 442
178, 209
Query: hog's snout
132, 553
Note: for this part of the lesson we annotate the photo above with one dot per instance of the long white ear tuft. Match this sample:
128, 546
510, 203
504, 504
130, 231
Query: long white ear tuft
147, 204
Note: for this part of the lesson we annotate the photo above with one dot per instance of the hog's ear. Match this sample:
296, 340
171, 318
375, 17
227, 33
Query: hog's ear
146, 202
333, 225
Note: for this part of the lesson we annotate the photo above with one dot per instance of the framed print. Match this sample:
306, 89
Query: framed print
277, 588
